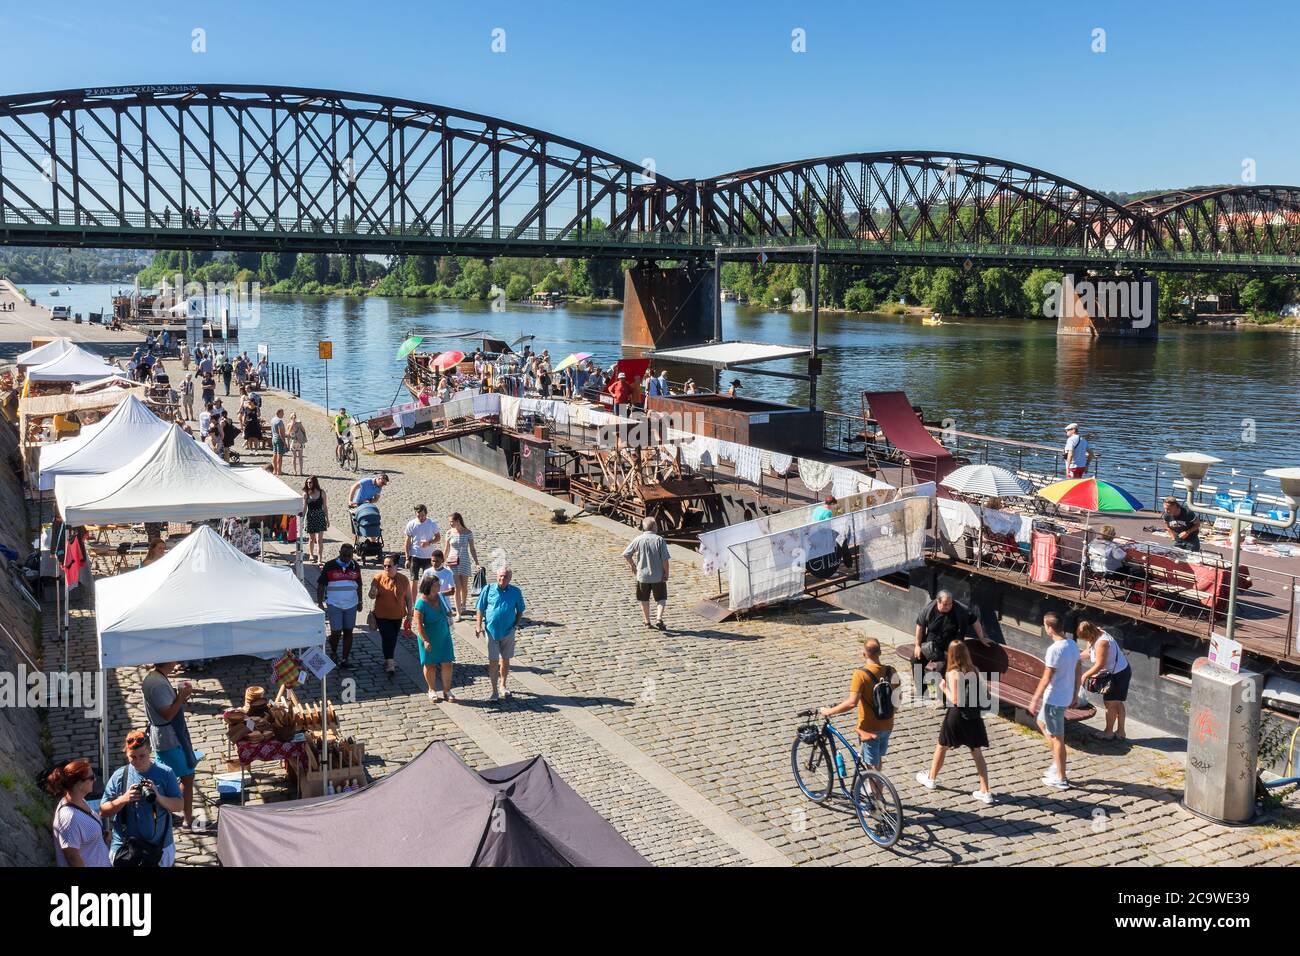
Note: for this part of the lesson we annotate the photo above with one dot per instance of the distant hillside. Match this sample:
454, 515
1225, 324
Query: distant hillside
36, 265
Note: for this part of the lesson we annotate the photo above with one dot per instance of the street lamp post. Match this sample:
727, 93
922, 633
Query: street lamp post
1193, 466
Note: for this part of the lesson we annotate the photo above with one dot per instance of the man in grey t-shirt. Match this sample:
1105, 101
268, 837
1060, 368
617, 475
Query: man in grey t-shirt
647, 556
164, 705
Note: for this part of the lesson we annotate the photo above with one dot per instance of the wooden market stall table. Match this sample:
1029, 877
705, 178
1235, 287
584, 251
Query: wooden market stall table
250, 752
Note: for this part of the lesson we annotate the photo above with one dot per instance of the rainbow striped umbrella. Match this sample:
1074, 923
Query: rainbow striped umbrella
573, 359
1090, 494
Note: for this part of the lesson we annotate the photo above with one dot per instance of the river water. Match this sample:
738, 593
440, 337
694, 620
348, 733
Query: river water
1230, 393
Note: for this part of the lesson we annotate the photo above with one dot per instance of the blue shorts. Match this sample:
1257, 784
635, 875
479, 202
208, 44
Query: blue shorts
873, 751
339, 619
1053, 718
174, 760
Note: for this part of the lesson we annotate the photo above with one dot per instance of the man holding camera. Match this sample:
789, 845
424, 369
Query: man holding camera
140, 799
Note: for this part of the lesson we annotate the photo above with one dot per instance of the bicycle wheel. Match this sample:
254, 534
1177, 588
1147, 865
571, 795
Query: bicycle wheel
812, 768
879, 810
350, 460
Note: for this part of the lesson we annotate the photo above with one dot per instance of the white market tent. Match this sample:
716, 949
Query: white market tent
202, 599
75, 364
174, 479
104, 446
44, 353
116, 380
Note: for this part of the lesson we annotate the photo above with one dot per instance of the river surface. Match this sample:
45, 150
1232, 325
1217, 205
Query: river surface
1225, 392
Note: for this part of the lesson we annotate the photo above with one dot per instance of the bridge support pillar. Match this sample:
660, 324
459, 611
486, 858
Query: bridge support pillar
668, 308
1101, 306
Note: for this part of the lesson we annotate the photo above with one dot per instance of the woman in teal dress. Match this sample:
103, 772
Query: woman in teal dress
432, 621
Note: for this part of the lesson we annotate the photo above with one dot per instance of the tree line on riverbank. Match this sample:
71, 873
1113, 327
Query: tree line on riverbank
432, 277
38, 265
991, 291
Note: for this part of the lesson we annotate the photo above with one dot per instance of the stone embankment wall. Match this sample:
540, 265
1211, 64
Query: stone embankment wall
24, 809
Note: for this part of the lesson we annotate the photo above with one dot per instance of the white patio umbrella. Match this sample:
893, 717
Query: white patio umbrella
988, 480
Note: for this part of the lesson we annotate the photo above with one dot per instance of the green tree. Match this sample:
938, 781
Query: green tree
518, 287
945, 292
1035, 291
859, 297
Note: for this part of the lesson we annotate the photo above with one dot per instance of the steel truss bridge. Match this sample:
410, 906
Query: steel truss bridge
305, 170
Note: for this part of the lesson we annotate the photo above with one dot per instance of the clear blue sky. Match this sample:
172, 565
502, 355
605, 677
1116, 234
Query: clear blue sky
1183, 93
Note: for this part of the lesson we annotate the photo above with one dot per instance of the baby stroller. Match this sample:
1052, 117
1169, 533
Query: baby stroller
367, 533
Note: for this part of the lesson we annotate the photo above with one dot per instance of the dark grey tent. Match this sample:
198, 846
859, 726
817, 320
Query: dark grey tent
435, 811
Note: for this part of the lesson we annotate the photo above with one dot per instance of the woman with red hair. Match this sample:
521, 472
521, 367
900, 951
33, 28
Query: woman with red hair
78, 831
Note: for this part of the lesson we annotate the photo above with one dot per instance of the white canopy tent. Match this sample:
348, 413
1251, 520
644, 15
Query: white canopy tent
44, 353
174, 479
75, 364
202, 599
108, 444
116, 380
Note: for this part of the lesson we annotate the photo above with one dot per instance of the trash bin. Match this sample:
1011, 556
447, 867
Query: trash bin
1223, 742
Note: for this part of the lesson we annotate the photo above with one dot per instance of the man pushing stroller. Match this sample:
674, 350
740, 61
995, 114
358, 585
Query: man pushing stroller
363, 509
367, 490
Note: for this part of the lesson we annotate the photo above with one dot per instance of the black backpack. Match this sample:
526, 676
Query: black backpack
882, 693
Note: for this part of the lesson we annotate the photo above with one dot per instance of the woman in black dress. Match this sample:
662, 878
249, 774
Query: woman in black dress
963, 724
318, 519
252, 422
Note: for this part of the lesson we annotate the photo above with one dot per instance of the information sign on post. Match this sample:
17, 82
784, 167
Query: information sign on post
325, 349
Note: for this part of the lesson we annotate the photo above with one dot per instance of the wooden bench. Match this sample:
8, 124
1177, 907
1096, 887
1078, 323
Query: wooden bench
1018, 674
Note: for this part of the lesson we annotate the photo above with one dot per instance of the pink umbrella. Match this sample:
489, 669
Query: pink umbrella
446, 360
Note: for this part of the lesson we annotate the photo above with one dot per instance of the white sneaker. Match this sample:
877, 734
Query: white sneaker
1057, 783
983, 796
432, 696
925, 781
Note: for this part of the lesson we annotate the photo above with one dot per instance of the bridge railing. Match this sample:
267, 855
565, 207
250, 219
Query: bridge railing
167, 221
682, 240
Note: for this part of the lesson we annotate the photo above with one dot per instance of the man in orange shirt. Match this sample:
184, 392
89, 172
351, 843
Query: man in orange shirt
874, 727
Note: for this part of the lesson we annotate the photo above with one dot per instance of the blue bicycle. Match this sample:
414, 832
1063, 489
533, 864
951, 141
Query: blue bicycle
819, 766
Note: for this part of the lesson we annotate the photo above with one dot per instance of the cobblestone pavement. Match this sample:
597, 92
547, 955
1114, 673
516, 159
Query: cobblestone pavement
682, 739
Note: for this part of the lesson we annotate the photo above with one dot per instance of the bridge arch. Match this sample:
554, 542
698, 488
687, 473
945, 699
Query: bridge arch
1234, 220
916, 197
274, 159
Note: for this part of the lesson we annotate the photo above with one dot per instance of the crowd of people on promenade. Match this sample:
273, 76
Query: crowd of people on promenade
437, 580
943, 665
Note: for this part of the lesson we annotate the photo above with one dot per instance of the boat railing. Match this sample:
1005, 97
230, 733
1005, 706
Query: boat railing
1155, 583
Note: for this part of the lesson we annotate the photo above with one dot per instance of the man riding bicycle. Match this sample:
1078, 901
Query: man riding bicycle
342, 431
875, 716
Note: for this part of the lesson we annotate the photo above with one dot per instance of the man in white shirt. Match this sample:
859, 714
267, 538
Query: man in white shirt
439, 570
422, 533
1057, 691
1076, 452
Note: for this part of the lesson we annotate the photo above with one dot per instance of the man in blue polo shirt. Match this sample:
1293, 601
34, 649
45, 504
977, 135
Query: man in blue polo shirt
367, 490
500, 608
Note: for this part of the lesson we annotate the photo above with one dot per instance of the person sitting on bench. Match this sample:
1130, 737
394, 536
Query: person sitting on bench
942, 621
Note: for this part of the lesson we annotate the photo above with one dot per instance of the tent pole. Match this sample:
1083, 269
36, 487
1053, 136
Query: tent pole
67, 619
103, 727
58, 616
297, 558
324, 737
